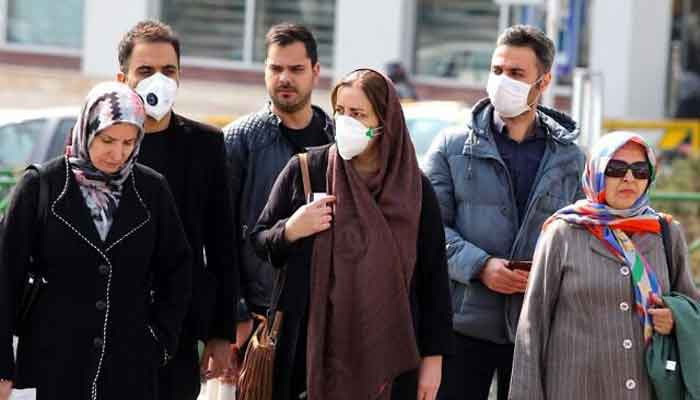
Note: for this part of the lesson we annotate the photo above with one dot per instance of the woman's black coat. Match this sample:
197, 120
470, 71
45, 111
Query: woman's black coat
94, 331
429, 294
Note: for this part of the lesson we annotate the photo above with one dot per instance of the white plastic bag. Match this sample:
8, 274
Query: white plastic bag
23, 394
214, 389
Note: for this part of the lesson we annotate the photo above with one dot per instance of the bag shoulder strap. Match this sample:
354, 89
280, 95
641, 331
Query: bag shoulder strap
305, 177
666, 238
41, 208
282, 272
43, 203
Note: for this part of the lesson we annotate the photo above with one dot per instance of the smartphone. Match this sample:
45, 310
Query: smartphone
523, 265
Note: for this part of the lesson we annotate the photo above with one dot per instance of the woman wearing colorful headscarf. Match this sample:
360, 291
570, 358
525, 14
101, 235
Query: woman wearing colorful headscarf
366, 299
115, 258
594, 296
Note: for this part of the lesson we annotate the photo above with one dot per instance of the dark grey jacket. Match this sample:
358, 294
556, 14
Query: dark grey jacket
481, 217
256, 152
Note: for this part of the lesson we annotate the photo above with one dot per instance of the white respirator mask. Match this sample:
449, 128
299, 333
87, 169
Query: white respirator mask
158, 93
351, 136
509, 96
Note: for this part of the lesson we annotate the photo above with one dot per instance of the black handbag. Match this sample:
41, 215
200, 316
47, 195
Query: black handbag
35, 282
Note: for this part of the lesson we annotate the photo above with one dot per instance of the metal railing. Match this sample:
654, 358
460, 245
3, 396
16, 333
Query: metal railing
7, 181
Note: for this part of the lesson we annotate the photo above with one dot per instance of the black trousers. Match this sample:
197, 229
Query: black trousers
469, 372
179, 379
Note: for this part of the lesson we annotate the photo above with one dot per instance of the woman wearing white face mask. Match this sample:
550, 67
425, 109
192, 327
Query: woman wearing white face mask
366, 300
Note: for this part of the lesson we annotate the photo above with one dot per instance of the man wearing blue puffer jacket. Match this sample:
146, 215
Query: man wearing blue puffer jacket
497, 181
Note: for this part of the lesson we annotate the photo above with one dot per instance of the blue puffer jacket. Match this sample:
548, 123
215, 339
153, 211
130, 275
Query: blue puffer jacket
481, 217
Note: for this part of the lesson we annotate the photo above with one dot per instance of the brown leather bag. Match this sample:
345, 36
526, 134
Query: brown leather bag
257, 374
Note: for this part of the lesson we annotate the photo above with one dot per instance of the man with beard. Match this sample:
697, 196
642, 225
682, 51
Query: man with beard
191, 157
259, 145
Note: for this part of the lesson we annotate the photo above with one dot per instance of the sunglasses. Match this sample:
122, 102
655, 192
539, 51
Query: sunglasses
619, 168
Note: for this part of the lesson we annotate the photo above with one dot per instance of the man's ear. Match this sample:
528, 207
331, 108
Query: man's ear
546, 80
121, 77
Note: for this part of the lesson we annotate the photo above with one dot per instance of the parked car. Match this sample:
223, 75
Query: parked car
33, 136
425, 119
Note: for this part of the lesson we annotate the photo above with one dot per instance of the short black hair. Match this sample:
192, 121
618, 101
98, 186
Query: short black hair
529, 36
287, 33
150, 32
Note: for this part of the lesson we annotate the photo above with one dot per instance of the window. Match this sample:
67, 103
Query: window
455, 38
208, 28
317, 15
45, 22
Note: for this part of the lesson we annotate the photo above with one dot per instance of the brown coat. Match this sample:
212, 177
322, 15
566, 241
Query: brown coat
578, 335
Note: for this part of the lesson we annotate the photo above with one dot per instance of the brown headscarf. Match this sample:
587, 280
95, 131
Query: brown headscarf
361, 333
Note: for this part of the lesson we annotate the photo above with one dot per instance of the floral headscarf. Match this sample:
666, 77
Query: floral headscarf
107, 104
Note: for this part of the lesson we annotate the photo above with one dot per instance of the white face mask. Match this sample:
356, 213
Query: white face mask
351, 136
158, 93
508, 96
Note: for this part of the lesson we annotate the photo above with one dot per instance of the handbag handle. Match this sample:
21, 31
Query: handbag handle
306, 180
282, 273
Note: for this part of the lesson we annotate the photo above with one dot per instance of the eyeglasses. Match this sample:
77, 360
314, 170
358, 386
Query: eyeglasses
619, 168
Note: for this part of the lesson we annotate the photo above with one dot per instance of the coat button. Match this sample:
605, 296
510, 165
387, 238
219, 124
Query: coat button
630, 384
625, 271
627, 344
98, 342
101, 305
504, 210
624, 306
103, 269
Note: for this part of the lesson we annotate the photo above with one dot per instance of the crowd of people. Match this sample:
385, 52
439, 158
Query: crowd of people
510, 254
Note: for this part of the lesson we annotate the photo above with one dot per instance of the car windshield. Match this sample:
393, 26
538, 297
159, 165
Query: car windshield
17, 141
422, 131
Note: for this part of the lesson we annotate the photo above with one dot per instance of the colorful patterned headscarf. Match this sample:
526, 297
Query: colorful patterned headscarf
611, 225
107, 104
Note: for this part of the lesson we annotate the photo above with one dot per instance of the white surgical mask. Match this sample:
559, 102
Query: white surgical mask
351, 136
508, 96
158, 93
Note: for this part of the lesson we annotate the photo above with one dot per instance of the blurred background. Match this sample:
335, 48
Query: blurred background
623, 64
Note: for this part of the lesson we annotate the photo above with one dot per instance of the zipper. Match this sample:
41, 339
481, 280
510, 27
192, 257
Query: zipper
531, 199
509, 182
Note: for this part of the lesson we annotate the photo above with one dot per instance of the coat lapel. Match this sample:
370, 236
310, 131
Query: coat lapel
646, 243
131, 215
179, 164
71, 209
600, 248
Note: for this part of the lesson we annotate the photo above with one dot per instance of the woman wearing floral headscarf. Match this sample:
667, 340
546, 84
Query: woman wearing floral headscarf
599, 271
111, 238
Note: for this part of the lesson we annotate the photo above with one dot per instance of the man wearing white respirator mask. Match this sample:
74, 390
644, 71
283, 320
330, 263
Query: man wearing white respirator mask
191, 156
497, 181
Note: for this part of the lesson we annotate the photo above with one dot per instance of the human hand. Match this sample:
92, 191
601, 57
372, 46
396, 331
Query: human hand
309, 219
661, 316
216, 359
499, 278
5, 389
429, 377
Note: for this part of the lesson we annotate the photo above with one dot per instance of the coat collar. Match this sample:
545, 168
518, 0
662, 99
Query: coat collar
70, 208
645, 243
271, 118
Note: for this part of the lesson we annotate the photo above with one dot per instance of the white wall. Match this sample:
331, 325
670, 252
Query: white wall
105, 24
630, 46
370, 33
